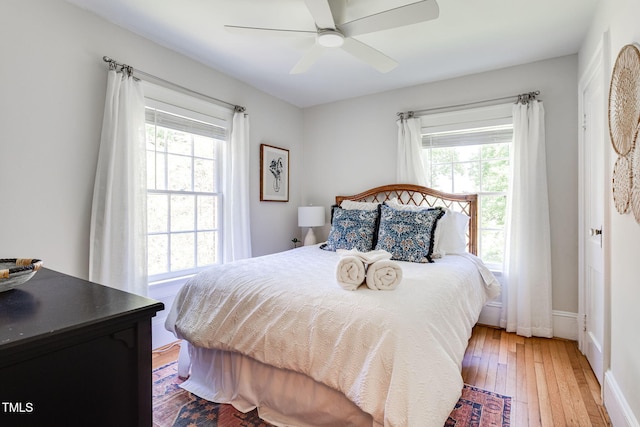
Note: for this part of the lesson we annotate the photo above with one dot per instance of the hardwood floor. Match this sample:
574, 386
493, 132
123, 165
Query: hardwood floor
166, 354
550, 382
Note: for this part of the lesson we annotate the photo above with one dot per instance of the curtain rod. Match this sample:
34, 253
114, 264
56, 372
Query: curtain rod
521, 98
154, 79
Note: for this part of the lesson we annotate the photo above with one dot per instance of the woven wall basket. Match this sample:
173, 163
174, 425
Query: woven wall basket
635, 182
624, 100
624, 124
622, 184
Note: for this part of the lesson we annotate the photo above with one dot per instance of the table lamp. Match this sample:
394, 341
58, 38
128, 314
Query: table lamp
310, 216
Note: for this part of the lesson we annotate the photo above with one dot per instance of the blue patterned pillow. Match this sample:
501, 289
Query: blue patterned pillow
352, 229
408, 235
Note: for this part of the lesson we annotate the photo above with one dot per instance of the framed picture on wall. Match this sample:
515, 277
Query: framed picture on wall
274, 174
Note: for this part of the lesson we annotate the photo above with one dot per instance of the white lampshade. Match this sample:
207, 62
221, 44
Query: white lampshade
310, 216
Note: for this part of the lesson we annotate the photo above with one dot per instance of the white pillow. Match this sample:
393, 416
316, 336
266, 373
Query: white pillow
451, 231
363, 206
399, 206
451, 234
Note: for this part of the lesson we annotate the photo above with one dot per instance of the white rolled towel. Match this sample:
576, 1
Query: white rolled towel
350, 272
366, 257
383, 275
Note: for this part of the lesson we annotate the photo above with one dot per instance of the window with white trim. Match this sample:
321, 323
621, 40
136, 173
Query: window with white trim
465, 152
184, 197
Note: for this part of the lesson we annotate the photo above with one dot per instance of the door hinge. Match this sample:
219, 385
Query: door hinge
584, 323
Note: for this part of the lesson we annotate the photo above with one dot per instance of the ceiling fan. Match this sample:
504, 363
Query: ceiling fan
331, 33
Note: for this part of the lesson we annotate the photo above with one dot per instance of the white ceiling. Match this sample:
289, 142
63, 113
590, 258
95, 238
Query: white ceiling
469, 36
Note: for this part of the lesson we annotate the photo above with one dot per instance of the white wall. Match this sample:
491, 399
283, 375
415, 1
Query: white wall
52, 93
622, 380
350, 146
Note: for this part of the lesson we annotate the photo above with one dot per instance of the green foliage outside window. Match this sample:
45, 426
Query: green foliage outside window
477, 168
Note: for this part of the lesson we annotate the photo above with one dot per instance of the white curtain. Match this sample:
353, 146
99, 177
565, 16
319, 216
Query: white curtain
410, 169
236, 227
526, 297
118, 250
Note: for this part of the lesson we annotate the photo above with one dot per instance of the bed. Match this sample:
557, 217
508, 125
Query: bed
278, 333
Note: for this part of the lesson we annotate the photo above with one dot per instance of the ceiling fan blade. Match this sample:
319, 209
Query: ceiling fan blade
309, 58
338, 10
273, 31
369, 55
413, 13
321, 13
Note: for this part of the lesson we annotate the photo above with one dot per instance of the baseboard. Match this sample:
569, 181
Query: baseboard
164, 292
565, 324
490, 314
617, 407
159, 335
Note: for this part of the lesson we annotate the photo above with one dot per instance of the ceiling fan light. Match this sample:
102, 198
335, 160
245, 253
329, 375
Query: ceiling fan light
330, 38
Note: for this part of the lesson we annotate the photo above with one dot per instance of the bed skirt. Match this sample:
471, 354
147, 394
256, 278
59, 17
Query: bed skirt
283, 397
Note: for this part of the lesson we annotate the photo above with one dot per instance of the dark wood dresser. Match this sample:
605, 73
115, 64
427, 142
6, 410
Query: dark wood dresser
74, 353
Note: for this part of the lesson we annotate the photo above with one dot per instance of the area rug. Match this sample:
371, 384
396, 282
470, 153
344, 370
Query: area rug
175, 407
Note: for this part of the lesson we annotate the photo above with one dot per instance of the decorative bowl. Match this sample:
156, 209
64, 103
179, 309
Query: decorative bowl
16, 271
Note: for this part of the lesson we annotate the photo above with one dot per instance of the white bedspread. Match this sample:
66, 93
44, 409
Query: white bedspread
397, 355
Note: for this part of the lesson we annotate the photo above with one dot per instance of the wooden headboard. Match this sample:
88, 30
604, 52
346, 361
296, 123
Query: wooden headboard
409, 194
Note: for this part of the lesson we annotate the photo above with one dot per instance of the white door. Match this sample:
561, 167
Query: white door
593, 193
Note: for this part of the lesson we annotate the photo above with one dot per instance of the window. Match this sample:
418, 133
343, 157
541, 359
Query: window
184, 197
473, 157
